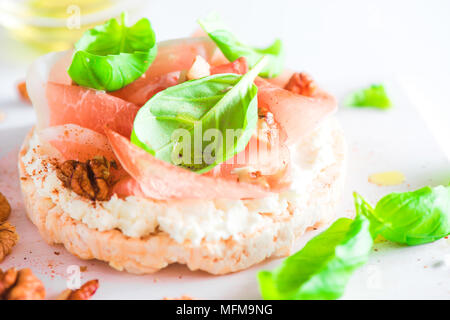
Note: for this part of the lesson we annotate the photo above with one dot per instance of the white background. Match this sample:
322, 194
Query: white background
344, 45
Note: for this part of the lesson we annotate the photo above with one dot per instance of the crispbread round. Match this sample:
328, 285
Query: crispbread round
154, 252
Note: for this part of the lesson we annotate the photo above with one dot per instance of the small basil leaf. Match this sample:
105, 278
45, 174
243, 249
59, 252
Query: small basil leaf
182, 114
233, 49
112, 55
413, 218
323, 267
373, 96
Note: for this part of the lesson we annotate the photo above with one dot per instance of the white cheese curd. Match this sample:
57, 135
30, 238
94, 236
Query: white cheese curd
199, 69
192, 220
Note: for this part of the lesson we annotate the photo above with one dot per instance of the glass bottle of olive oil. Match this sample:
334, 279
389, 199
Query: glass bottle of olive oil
51, 25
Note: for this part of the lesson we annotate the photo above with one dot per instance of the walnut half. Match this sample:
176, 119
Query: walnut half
301, 83
8, 239
85, 292
91, 179
20, 285
23, 93
5, 208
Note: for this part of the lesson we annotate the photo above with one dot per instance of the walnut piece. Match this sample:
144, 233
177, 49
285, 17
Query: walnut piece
80, 182
20, 285
91, 179
301, 83
65, 171
8, 239
7, 279
5, 208
23, 93
85, 292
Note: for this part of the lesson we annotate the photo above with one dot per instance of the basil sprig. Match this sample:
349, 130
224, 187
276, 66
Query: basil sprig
412, 218
373, 96
233, 49
112, 55
323, 267
183, 115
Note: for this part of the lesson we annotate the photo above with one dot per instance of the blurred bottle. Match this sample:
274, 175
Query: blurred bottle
51, 25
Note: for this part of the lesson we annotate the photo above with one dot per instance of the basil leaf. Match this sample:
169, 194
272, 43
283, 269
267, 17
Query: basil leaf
413, 218
362, 207
323, 267
221, 102
233, 49
373, 96
112, 55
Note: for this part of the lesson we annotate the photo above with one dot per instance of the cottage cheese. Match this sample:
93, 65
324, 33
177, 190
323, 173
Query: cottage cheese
192, 220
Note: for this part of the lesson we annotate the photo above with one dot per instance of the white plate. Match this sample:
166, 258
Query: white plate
378, 141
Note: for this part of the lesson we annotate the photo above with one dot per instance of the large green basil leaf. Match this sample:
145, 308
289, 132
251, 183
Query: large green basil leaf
175, 123
112, 55
323, 267
233, 49
415, 217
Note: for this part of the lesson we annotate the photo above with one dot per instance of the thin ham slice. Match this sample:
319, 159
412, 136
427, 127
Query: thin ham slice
161, 180
60, 103
238, 66
141, 90
73, 142
173, 57
296, 114
41, 70
58, 72
178, 54
282, 79
88, 108
128, 187
265, 161
77, 143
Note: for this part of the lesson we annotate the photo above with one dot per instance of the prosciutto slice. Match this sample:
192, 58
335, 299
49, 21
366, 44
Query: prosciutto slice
161, 180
